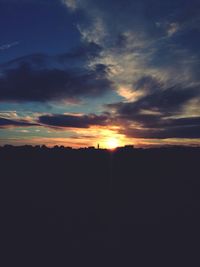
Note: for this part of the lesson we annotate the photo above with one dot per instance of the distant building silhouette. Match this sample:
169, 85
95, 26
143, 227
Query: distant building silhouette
129, 147
125, 148
91, 148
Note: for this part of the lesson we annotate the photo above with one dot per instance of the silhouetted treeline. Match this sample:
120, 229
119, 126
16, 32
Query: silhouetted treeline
62, 206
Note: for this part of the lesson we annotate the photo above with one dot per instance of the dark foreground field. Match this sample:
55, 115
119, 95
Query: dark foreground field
93, 207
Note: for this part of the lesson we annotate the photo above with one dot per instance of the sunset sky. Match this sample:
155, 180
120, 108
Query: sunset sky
114, 72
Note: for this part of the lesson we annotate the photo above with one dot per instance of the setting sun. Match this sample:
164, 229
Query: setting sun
112, 143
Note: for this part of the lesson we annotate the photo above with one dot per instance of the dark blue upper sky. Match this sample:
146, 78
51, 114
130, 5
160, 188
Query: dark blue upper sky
94, 69
36, 27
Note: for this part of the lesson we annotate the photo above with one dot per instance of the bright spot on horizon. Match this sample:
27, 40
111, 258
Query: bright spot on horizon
112, 143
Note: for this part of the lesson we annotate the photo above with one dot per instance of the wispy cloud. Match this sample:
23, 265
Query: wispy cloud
70, 4
8, 46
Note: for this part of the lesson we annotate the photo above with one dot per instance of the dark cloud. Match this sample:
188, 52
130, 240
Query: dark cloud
166, 101
159, 127
159, 121
27, 83
148, 84
76, 57
43, 78
174, 132
14, 123
87, 51
154, 115
74, 121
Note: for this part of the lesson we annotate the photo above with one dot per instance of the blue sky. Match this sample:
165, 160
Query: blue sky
81, 72
36, 27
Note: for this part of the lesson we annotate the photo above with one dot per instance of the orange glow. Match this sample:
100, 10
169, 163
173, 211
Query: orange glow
106, 137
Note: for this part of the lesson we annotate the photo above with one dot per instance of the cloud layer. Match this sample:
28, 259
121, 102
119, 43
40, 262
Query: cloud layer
4, 123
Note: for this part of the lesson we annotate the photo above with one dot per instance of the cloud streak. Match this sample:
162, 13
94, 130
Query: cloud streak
8, 46
4, 123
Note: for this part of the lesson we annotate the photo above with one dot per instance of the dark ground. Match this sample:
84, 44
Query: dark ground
96, 208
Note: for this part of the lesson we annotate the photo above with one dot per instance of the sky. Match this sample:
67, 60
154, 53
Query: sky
111, 72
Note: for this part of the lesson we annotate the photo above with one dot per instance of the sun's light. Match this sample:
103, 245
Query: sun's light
112, 143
